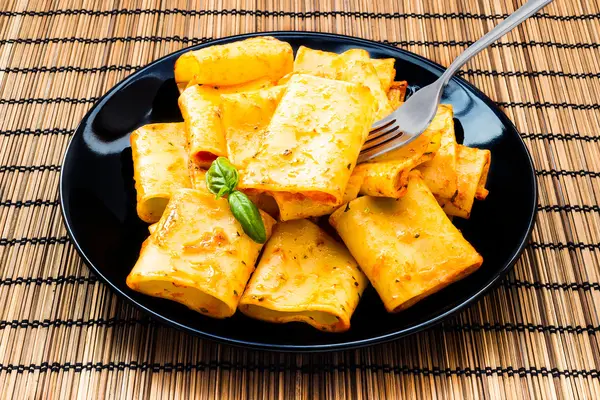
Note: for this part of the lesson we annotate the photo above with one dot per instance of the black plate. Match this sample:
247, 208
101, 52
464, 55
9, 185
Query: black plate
98, 202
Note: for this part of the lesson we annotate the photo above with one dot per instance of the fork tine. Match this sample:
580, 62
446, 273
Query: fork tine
380, 132
383, 122
389, 134
396, 141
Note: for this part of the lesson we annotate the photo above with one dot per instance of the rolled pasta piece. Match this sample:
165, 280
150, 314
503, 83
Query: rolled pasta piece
237, 62
313, 140
296, 206
385, 71
315, 62
200, 109
472, 169
364, 73
440, 173
323, 63
387, 175
159, 166
198, 255
397, 93
245, 118
304, 275
257, 84
414, 250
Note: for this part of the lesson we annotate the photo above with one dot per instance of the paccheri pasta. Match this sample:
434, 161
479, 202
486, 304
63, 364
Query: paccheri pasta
304, 275
282, 136
160, 165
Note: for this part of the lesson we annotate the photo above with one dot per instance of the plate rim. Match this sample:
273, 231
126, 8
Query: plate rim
313, 348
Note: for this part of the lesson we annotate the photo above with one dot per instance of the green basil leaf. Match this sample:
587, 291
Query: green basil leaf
246, 212
221, 177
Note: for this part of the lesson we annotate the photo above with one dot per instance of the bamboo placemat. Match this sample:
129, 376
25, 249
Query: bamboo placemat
64, 334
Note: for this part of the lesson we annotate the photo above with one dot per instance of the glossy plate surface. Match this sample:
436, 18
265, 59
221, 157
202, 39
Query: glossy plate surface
98, 202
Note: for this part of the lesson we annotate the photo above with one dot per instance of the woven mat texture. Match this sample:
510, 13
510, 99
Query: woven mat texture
63, 334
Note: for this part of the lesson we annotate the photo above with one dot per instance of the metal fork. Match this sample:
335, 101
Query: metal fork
410, 120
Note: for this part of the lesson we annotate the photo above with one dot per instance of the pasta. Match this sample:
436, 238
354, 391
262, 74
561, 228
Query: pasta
159, 167
414, 250
200, 107
245, 118
387, 175
304, 275
311, 146
323, 63
235, 63
396, 94
364, 72
439, 173
280, 138
257, 84
197, 255
472, 168
295, 206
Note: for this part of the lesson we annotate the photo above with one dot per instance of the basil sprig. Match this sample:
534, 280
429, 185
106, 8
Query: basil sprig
222, 179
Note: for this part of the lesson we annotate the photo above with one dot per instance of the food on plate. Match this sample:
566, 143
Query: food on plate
304, 275
323, 63
198, 255
472, 166
397, 93
313, 140
260, 83
364, 73
294, 206
385, 71
414, 250
245, 118
237, 62
200, 107
439, 173
387, 175
160, 166
267, 154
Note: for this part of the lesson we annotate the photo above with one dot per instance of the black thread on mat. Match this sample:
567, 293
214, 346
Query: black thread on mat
566, 245
111, 322
547, 104
114, 39
528, 74
569, 208
562, 172
51, 100
58, 280
47, 323
34, 241
69, 68
188, 40
29, 203
585, 286
293, 14
37, 132
530, 43
29, 168
310, 368
131, 68
560, 136
518, 327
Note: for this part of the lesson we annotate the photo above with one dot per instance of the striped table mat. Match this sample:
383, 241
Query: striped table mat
63, 333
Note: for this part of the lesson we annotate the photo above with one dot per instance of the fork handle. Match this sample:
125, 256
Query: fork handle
511, 22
